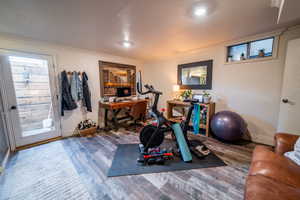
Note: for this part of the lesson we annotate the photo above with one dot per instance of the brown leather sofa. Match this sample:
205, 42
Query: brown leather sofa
271, 175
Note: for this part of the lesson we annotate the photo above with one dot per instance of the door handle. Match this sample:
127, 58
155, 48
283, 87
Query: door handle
13, 108
285, 100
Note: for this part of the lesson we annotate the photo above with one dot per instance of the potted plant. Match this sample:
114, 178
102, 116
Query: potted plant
261, 53
206, 97
186, 94
242, 56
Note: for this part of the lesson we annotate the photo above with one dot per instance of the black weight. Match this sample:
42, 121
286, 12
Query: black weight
147, 133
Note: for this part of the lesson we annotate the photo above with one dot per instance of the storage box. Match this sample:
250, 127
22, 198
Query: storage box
88, 131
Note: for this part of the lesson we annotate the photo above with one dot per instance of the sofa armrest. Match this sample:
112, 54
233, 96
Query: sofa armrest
262, 188
284, 142
274, 166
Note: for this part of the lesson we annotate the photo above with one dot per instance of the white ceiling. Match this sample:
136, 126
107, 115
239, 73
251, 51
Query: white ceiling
289, 10
158, 28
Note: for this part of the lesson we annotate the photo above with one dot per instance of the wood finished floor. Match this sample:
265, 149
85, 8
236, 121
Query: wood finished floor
92, 158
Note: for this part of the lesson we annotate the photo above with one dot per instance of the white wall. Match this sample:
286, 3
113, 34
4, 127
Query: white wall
69, 59
251, 89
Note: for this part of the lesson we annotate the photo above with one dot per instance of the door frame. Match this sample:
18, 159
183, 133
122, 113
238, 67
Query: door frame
4, 89
5, 128
283, 95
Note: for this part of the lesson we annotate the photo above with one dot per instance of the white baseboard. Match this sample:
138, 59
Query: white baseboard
67, 133
3, 164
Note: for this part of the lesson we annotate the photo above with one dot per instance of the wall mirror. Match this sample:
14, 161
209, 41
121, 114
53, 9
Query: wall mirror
117, 79
197, 75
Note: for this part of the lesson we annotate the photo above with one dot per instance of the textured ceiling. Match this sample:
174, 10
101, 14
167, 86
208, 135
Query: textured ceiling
158, 28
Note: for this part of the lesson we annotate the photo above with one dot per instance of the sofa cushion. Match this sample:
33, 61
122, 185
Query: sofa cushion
261, 188
295, 154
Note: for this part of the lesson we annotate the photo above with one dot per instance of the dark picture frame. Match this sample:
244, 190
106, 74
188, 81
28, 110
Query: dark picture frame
208, 82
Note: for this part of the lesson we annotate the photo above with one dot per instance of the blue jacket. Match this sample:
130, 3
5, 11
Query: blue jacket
76, 87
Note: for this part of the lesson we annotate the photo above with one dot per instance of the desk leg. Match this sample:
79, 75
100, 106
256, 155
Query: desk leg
115, 119
169, 110
105, 117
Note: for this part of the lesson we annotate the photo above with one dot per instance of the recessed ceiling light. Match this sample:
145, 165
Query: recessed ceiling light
127, 44
200, 11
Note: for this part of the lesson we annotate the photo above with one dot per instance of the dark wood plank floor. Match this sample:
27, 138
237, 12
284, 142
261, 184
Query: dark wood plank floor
92, 158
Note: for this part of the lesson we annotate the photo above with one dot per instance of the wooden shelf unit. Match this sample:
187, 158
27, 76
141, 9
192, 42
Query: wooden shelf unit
171, 104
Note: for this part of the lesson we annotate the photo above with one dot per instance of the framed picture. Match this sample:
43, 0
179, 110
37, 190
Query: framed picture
197, 75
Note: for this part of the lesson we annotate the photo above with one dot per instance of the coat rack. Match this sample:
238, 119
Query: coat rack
70, 73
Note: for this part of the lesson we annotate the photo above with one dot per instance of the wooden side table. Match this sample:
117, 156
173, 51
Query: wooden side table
171, 104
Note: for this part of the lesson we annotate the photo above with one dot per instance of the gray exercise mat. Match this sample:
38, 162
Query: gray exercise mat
125, 163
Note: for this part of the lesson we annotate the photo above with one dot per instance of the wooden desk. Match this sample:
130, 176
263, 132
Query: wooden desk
115, 108
175, 103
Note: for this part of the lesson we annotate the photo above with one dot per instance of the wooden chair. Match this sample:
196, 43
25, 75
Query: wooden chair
138, 112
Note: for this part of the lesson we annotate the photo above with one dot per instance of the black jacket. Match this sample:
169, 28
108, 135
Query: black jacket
67, 102
86, 92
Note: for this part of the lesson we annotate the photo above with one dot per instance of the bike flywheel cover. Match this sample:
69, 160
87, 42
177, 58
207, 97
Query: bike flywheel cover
147, 133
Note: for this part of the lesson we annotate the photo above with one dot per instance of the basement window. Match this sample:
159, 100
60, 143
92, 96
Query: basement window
256, 49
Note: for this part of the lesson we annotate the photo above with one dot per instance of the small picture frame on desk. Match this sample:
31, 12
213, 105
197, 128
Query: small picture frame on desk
198, 97
105, 99
111, 99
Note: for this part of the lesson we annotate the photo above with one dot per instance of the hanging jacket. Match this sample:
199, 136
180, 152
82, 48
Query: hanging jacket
86, 93
76, 87
67, 102
79, 88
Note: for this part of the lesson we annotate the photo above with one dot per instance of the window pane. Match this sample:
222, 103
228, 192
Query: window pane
237, 52
261, 48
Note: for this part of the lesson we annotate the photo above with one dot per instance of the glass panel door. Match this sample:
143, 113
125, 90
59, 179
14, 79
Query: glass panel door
31, 95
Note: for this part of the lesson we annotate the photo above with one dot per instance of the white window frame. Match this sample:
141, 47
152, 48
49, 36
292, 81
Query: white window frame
275, 35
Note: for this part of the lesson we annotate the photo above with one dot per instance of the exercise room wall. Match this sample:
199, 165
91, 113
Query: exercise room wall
69, 59
251, 89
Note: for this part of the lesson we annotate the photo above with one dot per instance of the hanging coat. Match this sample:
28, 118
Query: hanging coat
79, 88
86, 93
76, 87
67, 102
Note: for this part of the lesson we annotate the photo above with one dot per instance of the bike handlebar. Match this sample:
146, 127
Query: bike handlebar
150, 89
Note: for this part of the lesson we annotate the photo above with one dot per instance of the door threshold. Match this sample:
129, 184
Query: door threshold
27, 146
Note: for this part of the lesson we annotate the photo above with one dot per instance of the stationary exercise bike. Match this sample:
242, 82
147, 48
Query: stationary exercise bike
152, 136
